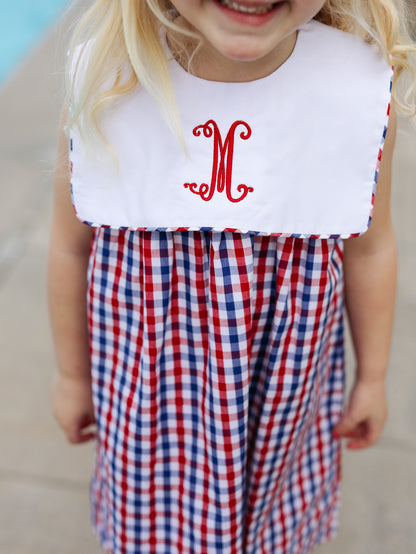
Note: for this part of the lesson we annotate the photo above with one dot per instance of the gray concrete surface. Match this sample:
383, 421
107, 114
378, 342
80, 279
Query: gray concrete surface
43, 480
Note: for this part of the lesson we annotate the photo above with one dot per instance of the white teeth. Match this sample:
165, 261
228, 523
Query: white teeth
246, 9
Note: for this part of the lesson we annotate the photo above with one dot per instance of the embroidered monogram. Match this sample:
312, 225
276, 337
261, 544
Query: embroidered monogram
222, 165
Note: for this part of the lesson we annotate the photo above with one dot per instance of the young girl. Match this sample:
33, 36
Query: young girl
224, 156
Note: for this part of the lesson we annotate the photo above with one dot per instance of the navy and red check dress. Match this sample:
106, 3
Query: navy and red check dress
217, 353
217, 370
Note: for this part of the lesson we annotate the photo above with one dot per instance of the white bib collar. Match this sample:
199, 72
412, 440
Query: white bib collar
293, 154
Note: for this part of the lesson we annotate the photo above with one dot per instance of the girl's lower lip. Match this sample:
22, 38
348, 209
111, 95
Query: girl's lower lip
248, 18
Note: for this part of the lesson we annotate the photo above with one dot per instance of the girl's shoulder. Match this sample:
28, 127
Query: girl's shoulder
339, 68
78, 56
341, 51
325, 38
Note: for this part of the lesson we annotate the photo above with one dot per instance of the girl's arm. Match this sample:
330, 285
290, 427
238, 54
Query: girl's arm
370, 286
68, 263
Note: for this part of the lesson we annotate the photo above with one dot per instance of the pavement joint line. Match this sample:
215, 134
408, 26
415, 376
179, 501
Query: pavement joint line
7, 475
397, 444
11, 250
13, 247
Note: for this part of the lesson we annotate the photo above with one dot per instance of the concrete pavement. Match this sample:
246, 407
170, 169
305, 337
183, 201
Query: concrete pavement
44, 480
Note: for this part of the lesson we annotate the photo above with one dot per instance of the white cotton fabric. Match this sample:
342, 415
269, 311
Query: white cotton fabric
317, 125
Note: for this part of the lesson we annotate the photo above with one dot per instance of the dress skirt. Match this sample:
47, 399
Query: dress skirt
217, 375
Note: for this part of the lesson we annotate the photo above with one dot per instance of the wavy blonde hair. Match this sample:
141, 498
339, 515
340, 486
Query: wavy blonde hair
124, 38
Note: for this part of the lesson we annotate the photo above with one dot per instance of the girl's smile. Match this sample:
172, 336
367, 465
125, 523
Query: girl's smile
250, 13
244, 40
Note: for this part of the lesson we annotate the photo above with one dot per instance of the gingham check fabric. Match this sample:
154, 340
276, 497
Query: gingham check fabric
217, 372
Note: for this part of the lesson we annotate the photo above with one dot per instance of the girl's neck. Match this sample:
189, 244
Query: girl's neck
209, 64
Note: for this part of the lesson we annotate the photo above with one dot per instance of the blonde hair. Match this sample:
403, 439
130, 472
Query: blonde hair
125, 49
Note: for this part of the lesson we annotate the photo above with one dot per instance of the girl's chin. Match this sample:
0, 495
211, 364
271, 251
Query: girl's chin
243, 52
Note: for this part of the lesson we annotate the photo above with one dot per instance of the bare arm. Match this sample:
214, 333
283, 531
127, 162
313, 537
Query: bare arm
370, 285
370, 278
68, 263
